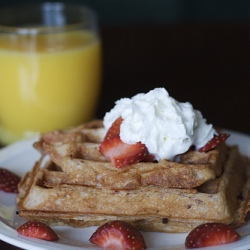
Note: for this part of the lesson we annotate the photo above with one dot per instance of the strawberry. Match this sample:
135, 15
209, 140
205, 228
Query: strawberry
122, 154
37, 229
8, 181
119, 153
211, 234
114, 129
214, 142
118, 235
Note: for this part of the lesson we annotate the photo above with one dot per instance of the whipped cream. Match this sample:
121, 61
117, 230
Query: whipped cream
167, 127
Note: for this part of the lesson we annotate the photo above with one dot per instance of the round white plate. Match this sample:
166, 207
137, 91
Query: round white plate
20, 158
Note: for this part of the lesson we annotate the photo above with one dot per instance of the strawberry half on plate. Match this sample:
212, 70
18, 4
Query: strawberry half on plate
211, 234
8, 181
37, 229
118, 235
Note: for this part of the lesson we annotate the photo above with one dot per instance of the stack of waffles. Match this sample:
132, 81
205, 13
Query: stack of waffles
73, 184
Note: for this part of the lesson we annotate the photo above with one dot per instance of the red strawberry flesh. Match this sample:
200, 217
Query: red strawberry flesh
211, 234
39, 230
8, 181
118, 235
214, 142
114, 129
122, 154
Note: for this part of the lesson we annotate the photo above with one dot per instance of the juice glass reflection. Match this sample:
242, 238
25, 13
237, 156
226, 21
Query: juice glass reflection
50, 68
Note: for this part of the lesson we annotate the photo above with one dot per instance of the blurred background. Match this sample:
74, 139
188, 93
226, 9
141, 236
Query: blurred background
199, 50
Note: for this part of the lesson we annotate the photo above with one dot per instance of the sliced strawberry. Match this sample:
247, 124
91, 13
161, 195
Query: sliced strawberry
122, 154
211, 234
114, 129
214, 142
8, 181
118, 235
36, 229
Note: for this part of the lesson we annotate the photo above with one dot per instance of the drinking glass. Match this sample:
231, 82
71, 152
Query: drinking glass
50, 68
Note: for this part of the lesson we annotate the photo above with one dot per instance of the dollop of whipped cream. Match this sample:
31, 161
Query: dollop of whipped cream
167, 127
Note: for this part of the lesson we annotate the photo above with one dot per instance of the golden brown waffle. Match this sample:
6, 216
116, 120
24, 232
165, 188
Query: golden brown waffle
44, 196
73, 184
76, 151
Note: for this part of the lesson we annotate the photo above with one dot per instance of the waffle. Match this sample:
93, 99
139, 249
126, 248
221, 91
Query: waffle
44, 196
72, 184
76, 151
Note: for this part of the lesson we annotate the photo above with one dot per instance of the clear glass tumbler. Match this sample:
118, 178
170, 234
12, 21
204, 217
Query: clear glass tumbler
50, 68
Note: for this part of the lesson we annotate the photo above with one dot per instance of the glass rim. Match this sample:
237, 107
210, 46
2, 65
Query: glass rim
46, 7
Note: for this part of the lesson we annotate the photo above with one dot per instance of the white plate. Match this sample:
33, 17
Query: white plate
20, 157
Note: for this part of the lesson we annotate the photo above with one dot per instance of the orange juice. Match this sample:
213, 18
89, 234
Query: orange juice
52, 85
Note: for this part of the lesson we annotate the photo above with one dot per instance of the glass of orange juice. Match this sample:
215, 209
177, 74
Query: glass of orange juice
50, 68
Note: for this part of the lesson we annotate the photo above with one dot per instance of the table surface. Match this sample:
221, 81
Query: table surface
206, 64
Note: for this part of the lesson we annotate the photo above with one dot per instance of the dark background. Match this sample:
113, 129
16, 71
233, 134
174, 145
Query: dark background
198, 50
